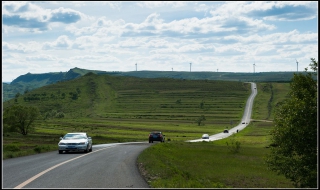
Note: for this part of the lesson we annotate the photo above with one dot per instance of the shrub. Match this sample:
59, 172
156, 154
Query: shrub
233, 146
40, 148
11, 147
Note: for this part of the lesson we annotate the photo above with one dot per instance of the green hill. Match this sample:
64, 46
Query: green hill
131, 98
30, 81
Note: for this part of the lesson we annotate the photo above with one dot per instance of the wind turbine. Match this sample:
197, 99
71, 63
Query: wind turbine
297, 64
136, 66
254, 65
190, 67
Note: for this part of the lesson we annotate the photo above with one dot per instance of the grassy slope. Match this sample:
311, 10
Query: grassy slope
31, 81
269, 94
213, 164
113, 109
125, 101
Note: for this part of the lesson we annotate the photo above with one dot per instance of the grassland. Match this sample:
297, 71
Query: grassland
121, 109
216, 164
111, 106
126, 109
213, 164
32, 81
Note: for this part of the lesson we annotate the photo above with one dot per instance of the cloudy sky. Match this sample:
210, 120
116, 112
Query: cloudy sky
48, 36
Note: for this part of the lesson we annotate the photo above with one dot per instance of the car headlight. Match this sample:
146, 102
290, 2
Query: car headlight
61, 143
82, 143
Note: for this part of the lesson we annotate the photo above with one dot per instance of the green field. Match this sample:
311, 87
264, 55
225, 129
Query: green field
213, 164
125, 109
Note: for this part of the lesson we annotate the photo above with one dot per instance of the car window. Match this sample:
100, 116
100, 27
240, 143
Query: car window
74, 136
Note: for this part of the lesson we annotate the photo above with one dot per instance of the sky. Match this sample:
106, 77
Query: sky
214, 36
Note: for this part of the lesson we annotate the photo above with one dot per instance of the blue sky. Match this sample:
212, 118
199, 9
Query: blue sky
216, 36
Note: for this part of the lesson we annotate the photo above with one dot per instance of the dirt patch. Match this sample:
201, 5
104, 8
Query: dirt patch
148, 178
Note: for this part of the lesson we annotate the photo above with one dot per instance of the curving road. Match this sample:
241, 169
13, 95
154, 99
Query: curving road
245, 118
107, 166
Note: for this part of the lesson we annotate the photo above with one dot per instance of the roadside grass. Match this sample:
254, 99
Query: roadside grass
213, 164
269, 94
221, 163
18, 145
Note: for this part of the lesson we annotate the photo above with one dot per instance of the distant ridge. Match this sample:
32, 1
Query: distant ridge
30, 81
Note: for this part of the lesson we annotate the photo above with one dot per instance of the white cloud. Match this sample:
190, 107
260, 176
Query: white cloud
157, 4
228, 36
63, 42
19, 48
40, 58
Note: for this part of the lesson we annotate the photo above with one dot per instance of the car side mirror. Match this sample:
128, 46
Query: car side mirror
89, 137
60, 138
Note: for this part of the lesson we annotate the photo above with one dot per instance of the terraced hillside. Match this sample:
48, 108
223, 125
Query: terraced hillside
134, 101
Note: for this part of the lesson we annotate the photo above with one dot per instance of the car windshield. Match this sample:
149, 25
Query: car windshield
74, 136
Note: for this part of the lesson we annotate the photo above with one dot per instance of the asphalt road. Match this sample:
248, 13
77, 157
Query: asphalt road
107, 166
245, 118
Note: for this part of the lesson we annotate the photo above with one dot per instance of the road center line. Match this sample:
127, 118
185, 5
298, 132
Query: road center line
47, 170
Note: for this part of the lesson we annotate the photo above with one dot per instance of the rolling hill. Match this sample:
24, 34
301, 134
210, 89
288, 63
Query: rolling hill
130, 98
28, 82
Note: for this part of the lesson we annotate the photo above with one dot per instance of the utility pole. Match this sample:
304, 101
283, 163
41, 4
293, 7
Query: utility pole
190, 67
136, 66
297, 65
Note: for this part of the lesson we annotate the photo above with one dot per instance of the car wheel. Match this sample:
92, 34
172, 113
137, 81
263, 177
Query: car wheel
90, 150
149, 141
60, 151
87, 149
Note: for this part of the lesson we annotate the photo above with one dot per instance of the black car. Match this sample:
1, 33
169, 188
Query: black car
156, 136
226, 131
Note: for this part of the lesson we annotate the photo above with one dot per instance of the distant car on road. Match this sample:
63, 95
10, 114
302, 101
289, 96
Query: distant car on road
75, 142
226, 131
205, 136
243, 122
156, 136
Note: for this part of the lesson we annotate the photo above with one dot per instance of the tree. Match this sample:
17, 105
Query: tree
200, 119
17, 95
294, 136
19, 118
202, 104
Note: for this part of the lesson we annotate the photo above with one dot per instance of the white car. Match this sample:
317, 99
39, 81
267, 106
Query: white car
205, 136
75, 142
